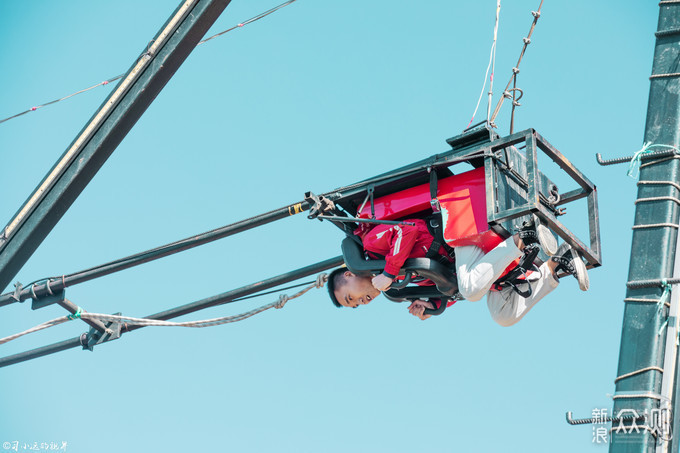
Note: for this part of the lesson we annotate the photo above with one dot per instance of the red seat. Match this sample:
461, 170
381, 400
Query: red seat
463, 202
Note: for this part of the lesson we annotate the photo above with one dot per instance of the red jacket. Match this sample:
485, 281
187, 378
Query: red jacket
396, 243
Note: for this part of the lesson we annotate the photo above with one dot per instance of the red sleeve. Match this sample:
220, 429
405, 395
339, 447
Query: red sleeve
393, 241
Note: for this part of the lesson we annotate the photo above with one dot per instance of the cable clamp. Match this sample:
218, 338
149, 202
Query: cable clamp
536, 14
318, 205
89, 340
527, 41
515, 70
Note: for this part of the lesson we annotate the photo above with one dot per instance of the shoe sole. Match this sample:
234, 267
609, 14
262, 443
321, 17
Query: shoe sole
546, 238
581, 273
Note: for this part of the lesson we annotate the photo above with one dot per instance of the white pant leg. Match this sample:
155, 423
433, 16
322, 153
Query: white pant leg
477, 271
507, 307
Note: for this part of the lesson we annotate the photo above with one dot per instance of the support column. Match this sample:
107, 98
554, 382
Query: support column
653, 251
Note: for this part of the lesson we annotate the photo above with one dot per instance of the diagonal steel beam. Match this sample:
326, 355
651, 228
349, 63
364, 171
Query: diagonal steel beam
103, 132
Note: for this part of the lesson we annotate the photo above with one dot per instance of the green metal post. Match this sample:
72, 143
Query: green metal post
104, 131
646, 322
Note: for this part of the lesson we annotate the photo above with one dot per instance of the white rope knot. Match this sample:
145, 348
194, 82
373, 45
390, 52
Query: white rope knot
515, 70
527, 41
283, 298
536, 14
321, 279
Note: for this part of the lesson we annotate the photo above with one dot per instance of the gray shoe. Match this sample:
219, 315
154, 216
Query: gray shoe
534, 232
571, 263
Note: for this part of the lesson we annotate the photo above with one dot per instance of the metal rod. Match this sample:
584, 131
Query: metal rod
359, 220
72, 308
39, 352
652, 283
220, 299
153, 254
585, 421
90, 149
623, 160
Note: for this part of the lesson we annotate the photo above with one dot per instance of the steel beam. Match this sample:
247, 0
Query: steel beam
104, 131
42, 289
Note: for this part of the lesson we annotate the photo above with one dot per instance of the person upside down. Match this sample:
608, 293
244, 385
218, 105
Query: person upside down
477, 272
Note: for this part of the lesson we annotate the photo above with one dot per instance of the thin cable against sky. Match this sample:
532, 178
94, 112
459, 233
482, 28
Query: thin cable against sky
113, 79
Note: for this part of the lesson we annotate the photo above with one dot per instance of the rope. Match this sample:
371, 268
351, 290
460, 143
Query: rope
106, 82
656, 225
642, 200
492, 66
669, 183
640, 371
515, 70
634, 168
659, 161
45, 325
321, 279
638, 395
660, 76
649, 301
669, 2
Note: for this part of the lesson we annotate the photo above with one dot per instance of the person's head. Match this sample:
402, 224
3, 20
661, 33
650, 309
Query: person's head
349, 290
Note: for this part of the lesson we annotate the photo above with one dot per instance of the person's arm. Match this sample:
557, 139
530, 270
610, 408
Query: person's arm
396, 243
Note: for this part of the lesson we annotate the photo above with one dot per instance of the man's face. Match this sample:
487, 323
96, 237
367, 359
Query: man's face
356, 291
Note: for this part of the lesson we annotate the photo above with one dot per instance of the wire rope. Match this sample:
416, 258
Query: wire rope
492, 66
113, 79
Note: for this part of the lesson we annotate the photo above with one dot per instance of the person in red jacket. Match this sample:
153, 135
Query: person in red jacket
476, 271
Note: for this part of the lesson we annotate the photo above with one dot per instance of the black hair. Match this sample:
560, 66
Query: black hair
335, 280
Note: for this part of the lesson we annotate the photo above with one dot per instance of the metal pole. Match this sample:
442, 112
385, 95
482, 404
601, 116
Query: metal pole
220, 299
150, 255
104, 131
643, 337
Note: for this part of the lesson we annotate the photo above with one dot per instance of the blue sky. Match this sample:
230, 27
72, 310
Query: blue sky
316, 96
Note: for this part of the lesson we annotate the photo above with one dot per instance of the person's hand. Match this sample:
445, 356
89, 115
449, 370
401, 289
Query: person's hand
381, 282
417, 308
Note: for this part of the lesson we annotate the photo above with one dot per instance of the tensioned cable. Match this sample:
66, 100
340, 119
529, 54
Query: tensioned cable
321, 279
515, 70
492, 66
113, 79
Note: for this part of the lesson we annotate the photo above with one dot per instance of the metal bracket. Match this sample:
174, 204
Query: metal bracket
319, 205
44, 301
92, 338
17, 291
